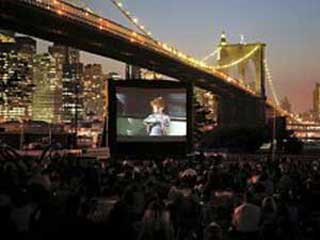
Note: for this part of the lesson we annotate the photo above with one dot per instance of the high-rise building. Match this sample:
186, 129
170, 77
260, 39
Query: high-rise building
316, 101
26, 48
64, 54
94, 94
69, 71
72, 93
16, 84
286, 105
133, 72
47, 97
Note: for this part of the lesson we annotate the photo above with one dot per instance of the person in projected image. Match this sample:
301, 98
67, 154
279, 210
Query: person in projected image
157, 123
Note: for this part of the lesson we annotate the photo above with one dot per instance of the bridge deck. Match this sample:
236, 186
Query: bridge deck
60, 22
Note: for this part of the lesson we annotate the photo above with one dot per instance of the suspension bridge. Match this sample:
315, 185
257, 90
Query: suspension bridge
241, 102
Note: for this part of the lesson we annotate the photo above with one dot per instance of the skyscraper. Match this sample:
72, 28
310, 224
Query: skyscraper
133, 72
316, 101
70, 72
47, 98
72, 93
16, 85
94, 92
26, 48
64, 54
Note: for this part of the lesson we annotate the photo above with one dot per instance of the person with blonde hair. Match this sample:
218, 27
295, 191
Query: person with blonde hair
158, 122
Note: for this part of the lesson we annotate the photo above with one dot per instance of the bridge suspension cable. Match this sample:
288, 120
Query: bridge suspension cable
215, 52
270, 83
120, 6
134, 20
82, 4
165, 47
232, 64
238, 61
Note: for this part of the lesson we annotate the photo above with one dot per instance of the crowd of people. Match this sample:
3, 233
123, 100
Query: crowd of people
200, 198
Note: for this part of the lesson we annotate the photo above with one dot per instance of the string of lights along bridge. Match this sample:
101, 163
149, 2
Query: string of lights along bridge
145, 38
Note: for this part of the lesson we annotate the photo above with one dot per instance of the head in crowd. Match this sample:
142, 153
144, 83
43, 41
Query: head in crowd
269, 204
213, 232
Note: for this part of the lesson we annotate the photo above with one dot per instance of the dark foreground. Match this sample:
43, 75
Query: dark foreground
203, 198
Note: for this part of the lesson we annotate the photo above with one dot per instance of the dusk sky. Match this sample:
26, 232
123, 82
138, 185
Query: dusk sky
290, 28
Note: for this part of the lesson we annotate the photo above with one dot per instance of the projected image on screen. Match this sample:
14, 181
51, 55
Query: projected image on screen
151, 114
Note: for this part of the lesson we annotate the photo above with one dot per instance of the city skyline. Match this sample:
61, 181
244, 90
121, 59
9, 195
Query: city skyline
287, 27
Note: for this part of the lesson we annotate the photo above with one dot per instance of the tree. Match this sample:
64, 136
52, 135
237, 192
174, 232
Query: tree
202, 122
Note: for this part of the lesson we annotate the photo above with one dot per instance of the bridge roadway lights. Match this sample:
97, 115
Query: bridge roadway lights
74, 28
241, 112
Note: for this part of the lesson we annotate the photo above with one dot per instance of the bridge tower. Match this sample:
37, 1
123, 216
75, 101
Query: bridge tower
241, 55
238, 59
